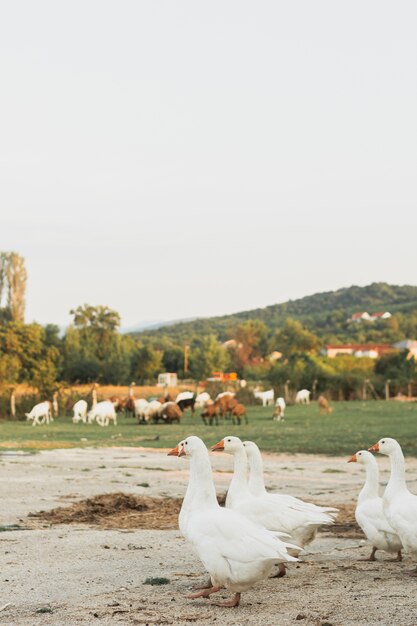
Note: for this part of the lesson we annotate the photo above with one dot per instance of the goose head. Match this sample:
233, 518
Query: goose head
387, 445
363, 457
187, 447
230, 445
252, 449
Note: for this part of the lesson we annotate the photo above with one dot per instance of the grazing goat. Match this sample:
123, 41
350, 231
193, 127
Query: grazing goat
186, 400
324, 405
152, 410
239, 411
225, 404
202, 399
169, 412
140, 409
303, 396
41, 413
210, 413
104, 412
80, 411
279, 409
267, 397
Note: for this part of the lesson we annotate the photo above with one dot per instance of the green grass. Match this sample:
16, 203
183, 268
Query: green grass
352, 426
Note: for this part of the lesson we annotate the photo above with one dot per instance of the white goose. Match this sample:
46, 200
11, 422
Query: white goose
369, 510
236, 552
399, 504
274, 514
256, 485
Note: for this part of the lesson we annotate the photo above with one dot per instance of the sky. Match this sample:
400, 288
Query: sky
175, 159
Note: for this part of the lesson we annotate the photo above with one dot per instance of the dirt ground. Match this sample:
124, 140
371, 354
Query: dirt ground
114, 527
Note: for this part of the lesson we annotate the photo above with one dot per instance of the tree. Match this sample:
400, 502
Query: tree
16, 279
146, 364
95, 317
250, 338
206, 357
293, 338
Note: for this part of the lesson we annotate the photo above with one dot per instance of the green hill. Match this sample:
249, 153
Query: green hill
325, 314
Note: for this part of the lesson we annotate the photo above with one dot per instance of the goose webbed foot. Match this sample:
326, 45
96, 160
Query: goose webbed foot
230, 603
397, 559
205, 593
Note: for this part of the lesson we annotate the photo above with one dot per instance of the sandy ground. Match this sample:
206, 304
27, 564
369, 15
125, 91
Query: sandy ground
68, 575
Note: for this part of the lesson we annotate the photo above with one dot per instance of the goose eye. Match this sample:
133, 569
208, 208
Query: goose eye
186, 443
229, 440
382, 441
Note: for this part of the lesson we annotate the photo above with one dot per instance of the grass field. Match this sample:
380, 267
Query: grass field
352, 426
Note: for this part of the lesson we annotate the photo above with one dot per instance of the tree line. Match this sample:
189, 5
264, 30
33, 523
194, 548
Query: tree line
93, 350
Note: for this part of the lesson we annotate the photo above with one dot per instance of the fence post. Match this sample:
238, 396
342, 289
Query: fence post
94, 395
387, 382
409, 389
364, 389
313, 389
55, 407
286, 394
131, 392
13, 404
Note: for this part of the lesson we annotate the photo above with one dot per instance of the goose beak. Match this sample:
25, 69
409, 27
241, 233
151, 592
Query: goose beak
218, 446
353, 459
374, 448
174, 452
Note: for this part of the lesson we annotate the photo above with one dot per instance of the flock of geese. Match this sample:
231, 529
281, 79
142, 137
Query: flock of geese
241, 543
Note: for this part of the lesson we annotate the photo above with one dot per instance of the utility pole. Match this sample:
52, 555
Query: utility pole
186, 350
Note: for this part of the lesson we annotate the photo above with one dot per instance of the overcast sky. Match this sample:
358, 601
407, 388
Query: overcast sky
178, 158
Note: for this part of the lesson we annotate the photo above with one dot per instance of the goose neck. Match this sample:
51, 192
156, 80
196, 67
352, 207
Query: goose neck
396, 482
256, 475
371, 486
239, 485
201, 492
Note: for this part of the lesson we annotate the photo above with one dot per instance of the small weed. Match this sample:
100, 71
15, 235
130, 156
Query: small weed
86, 469
44, 609
330, 470
156, 581
143, 485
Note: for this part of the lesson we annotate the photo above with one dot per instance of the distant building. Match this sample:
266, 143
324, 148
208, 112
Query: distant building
373, 317
167, 379
381, 315
371, 350
359, 317
407, 344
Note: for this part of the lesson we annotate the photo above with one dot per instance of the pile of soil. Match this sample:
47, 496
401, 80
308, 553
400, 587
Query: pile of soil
117, 510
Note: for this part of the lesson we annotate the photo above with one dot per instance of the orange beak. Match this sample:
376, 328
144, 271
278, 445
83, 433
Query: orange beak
374, 448
218, 446
353, 459
176, 451
173, 452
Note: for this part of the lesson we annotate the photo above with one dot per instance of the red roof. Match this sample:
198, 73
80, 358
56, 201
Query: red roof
357, 316
379, 347
379, 314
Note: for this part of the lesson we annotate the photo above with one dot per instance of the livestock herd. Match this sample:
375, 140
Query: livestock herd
167, 410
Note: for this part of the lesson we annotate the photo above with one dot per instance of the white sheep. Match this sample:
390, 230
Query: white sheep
141, 406
103, 413
202, 399
80, 411
152, 410
41, 413
279, 409
267, 397
303, 396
